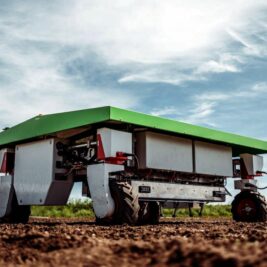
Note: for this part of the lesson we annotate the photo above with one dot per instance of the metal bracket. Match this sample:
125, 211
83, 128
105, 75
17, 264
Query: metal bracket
246, 184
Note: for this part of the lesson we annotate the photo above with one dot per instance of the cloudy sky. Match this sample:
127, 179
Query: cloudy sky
203, 62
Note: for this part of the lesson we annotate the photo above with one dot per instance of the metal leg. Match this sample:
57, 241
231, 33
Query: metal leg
201, 209
160, 210
190, 205
175, 210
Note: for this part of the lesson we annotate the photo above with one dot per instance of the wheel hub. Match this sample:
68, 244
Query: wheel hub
247, 207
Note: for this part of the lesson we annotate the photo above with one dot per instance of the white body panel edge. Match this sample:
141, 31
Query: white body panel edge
98, 181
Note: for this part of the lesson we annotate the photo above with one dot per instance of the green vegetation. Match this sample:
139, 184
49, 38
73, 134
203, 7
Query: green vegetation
81, 208
77, 208
208, 211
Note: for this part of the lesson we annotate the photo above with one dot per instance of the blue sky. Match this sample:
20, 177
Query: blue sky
203, 62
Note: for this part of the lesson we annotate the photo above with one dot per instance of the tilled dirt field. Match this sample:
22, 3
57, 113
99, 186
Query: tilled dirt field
174, 242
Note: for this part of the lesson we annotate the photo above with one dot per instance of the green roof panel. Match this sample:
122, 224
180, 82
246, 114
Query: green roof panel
240, 144
52, 123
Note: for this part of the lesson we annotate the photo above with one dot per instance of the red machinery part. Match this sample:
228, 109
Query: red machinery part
239, 170
3, 168
100, 148
244, 172
119, 159
7, 164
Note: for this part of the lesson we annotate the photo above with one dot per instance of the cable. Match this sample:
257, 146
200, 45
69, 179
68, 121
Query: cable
228, 192
137, 161
261, 172
135, 157
259, 188
262, 188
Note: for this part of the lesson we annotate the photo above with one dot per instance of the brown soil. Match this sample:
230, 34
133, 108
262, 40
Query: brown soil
174, 242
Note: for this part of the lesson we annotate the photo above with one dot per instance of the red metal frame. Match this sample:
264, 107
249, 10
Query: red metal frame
7, 164
119, 159
100, 148
3, 168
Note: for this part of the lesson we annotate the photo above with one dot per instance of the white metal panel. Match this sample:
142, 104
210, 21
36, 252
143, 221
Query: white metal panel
6, 193
34, 171
98, 181
213, 159
181, 192
34, 178
115, 141
2, 153
253, 163
164, 152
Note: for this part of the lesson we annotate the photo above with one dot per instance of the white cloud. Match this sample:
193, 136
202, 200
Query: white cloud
253, 42
36, 84
248, 92
206, 102
179, 73
173, 42
213, 96
157, 31
260, 87
127, 31
18, 106
225, 63
217, 67
160, 75
201, 113
165, 111
32, 75
204, 105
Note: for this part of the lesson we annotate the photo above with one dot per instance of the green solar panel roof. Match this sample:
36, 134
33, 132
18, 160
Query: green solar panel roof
48, 124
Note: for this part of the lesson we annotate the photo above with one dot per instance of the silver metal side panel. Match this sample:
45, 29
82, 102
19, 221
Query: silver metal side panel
6, 194
98, 181
115, 141
158, 151
34, 163
178, 192
34, 178
213, 159
253, 163
180, 204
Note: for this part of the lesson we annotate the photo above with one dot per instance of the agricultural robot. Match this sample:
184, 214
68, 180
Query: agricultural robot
130, 165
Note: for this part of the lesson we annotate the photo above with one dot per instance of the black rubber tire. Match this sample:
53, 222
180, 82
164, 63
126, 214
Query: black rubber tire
249, 206
126, 204
19, 214
149, 212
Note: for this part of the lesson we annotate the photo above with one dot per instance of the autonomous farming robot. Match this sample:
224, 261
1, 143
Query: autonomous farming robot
130, 165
